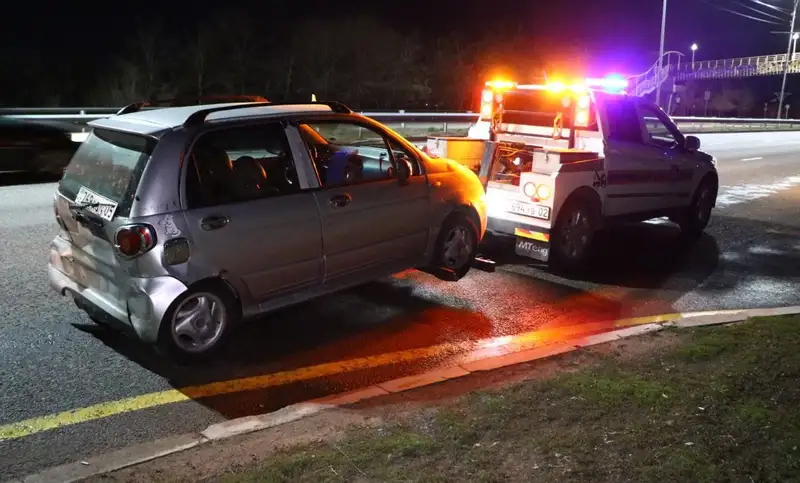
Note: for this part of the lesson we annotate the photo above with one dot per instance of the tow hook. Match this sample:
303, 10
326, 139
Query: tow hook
484, 264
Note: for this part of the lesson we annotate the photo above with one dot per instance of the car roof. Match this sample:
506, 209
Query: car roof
156, 121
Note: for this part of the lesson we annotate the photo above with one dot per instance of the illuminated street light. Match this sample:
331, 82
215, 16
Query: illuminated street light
789, 54
661, 51
694, 49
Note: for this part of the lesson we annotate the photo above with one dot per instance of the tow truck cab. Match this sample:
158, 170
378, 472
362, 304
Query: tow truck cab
563, 161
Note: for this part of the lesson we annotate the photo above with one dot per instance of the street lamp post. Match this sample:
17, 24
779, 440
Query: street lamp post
661, 51
795, 36
788, 55
694, 49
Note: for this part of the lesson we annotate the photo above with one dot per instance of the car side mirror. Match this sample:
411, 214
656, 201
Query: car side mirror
404, 171
692, 143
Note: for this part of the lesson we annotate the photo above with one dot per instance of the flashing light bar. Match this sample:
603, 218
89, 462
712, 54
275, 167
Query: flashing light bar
501, 84
608, 83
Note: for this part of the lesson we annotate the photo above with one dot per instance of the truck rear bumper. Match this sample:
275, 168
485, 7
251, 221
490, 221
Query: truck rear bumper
501, 227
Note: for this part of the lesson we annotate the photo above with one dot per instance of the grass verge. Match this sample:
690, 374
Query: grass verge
722, 405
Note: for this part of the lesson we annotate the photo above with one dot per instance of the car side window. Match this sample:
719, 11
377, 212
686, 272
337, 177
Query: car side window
659, 132
239, 164
347, 152
623, 122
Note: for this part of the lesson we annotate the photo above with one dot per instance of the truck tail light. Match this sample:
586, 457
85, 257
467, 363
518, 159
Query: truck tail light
536, 192
487, 104
582, 111
130, 241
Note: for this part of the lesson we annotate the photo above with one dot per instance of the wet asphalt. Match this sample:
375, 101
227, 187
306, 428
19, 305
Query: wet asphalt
53, 359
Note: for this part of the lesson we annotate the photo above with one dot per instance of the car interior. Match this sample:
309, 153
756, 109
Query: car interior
340, 163
218, 175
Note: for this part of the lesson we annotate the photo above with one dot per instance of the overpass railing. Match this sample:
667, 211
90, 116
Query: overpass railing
407, 123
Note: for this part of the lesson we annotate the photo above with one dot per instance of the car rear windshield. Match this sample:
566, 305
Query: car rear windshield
110, 163
535, 107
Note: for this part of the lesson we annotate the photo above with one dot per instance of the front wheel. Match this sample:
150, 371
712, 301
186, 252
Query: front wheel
457, 245
698, 214
197, 324
573, 234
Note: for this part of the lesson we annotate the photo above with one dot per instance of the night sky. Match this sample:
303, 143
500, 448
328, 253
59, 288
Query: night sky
616, 29
619, 35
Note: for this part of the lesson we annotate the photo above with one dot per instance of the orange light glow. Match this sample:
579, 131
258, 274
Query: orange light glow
582, 119
501, 84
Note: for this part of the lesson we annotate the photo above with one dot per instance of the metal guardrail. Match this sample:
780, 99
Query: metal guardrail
431, 121
83, 115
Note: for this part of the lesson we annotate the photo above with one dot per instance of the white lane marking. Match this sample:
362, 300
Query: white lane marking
737, 194
752, 159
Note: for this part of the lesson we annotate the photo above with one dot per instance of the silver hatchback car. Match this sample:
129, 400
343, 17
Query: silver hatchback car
177, 223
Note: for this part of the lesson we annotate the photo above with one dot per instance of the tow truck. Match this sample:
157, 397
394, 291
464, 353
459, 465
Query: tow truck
561, 161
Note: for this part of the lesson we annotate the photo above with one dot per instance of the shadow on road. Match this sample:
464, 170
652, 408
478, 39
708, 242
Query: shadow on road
645, 263
639, 256
343, 333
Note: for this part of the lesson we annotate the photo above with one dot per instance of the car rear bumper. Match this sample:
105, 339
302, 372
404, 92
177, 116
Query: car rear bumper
141, 308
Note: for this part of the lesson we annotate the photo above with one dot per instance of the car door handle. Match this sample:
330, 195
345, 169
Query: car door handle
340, 201
214, 222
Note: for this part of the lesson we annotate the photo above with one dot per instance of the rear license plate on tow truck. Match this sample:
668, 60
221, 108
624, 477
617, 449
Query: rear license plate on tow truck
538, 250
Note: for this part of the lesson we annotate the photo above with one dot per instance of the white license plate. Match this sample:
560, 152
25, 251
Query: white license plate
106, 209
527, 209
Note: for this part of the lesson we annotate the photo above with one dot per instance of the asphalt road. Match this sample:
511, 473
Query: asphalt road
52, 359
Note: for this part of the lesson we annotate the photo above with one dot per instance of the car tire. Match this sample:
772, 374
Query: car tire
697, 216
457, 245
197, 324
573, 235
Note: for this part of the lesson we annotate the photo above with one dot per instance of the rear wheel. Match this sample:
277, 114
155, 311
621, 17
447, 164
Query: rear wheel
696, 217
198, 323
457, 245
573, 234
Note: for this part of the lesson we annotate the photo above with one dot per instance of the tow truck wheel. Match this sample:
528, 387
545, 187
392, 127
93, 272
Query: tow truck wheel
573, 235
457, 245
698, 214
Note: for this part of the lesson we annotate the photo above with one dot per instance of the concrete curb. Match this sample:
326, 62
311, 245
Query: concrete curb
142, 453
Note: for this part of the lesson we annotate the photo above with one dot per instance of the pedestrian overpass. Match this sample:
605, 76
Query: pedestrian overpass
675, 70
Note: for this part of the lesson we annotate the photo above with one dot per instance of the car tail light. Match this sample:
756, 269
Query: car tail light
131, 241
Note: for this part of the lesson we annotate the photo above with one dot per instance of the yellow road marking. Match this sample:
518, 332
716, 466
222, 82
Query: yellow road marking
103, 410
53, 421
649, 319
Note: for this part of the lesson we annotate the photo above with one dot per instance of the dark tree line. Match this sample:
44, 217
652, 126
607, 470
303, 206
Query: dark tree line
357, 60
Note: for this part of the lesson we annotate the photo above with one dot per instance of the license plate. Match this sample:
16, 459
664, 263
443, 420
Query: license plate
106, 208
527, 209
538, 250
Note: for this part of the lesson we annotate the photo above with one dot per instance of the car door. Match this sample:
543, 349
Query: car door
667, 144
250, 215
371, 222
631, 184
